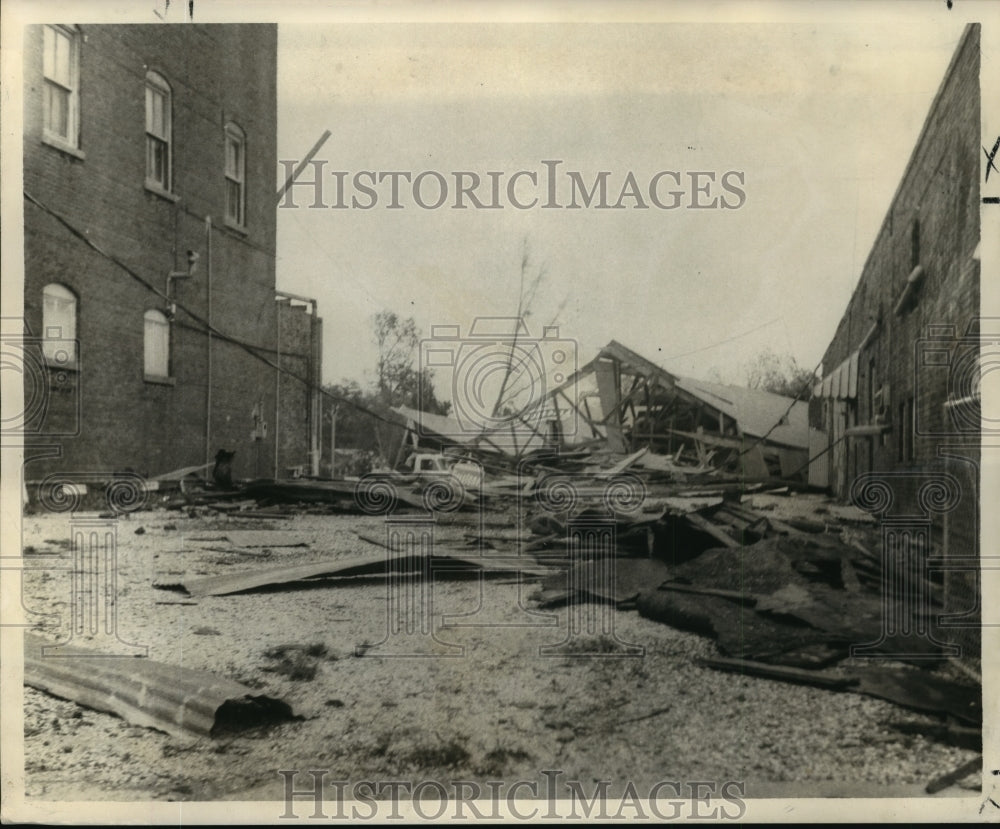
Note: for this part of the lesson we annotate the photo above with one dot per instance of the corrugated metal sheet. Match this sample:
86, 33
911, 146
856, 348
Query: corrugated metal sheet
258, 538
374, 564
170, 698
427, 423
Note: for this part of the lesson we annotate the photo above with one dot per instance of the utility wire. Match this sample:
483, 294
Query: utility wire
254, 350
207, 327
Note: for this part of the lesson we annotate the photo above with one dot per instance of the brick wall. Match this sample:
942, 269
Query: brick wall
218, 74
924, 353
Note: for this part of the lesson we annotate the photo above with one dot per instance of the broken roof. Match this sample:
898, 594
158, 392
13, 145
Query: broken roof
756, 411
426, 423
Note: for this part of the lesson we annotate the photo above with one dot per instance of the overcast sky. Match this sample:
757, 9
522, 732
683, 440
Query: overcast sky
820, 119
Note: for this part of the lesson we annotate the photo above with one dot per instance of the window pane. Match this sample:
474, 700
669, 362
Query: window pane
57, 110
57, 56
156, 109
60, 61
59, 323
235, 174
234, 201
150, 95
156, 345
62, 70
234, 158
157, 161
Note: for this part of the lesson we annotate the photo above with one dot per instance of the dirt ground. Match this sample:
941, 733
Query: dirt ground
494, 705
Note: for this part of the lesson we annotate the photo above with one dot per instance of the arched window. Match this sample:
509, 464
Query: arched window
156, 344
158, 132
235, 175
59, 324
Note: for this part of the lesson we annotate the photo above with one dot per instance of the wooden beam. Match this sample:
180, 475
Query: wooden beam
706, 526
779, 672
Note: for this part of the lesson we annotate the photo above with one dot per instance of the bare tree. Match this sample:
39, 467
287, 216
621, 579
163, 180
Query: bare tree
525, 298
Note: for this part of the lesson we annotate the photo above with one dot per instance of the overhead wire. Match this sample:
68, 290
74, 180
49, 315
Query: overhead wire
206, 326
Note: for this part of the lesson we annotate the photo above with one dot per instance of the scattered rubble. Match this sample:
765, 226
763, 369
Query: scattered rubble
680, 504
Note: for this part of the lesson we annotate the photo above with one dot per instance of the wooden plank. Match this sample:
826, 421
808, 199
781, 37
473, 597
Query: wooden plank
706, 526
736, 595
945, 780
849, 577
610, 396
375, 564
778, 672
622, 465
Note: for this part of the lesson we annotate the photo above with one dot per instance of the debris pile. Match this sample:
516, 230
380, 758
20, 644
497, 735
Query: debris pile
687, 502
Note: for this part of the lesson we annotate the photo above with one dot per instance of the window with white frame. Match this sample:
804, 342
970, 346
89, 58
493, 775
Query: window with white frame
156, 348
158, 132
59, 324
235, 175
61, 70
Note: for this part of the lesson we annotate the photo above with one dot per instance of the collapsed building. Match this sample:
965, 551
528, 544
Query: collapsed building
620, 403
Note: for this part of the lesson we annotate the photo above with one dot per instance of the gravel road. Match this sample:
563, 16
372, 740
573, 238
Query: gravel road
509, 697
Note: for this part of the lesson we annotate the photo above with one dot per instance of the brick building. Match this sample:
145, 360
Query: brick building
900, 399
149, 243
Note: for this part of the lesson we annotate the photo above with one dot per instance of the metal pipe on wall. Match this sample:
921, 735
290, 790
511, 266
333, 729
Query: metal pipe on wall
277, 388
208, 377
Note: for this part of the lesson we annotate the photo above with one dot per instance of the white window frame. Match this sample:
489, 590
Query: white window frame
235, 176
162, 136
155, 345
59, 312
58, 83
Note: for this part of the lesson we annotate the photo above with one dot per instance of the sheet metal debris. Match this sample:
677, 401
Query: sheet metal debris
376, 564
177, 700
909, 688
258, 538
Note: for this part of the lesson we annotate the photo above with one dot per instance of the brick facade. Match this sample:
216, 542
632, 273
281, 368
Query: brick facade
906, 358
105, 413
